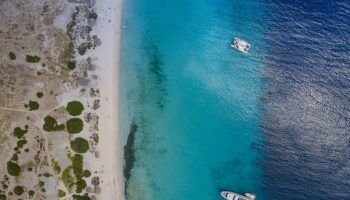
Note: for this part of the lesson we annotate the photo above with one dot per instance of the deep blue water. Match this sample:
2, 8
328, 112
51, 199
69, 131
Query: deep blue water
306, 124
206, 118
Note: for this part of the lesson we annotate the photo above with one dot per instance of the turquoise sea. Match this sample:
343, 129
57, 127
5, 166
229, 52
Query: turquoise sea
191, 102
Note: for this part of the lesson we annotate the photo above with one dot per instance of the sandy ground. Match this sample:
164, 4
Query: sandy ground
107, 56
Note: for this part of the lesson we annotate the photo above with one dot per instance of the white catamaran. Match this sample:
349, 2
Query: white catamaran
234, 196
240, 45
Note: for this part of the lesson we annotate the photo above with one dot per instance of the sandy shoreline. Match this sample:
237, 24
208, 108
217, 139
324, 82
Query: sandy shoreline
107, 56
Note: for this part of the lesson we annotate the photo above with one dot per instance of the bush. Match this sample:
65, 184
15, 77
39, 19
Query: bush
3, 197
39, 94
31, 193
21, 143
86, 173
77, 164
51, 124
18, 132
61, 194
74, 125
79, 197
12, 56
80, 185
66, 177
80, 145
71, 65
32, 59
18, 190
13, 169
75, 108
33, 105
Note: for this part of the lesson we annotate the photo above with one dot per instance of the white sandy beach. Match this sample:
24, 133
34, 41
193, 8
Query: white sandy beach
108, 29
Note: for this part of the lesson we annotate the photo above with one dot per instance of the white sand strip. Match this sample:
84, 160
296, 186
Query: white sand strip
108, 29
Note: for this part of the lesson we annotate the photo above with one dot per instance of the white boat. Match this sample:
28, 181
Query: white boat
235, 196
240, 45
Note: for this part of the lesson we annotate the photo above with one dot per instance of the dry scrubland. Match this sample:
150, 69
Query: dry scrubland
48, 100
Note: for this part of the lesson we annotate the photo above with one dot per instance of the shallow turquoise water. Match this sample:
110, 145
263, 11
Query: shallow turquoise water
195, 100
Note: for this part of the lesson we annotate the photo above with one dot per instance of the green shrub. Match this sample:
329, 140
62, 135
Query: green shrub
80, 145
51, 124
33, 105
80, 197
21, 143
18, 190
61, 193
31, 193
32, 59
77, 164
3, 197
71, 65
66, 177
14, 157
75, 108
12, 56
80, 185
56, 166
39, 94
18, 132
86, 173
13, 169
74, 125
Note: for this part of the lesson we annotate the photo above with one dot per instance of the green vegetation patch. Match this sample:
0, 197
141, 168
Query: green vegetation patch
74, 125
77, 164
80, 185
81, 197
67, 177
18, 132
14, 157
61, 193
13, 169
21, 143
32, 105
75, 108
86, 173
12, 56
52, 125
31, 193
32, 59
3, 197
71, 65
80, 145
18, 190
39, 94
56, 166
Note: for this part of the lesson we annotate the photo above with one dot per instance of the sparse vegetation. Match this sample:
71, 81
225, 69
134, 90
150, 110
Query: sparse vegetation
31, 193
39, 94
52, 125
61, 193
75, 108
67, 178
56, 166
18, 132
13, 169
71, 65
12, 56
18, 190
80, 145
32, 59
32, 105
74, 125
